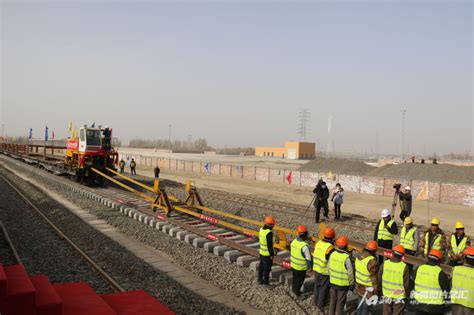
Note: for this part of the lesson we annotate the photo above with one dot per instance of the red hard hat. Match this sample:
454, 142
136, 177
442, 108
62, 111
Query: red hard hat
399, 249
469, 251
436, 253
269, 220
342, 241
301, 229
329, 233
372, 245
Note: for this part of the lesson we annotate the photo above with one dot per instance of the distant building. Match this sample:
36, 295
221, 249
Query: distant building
293, 150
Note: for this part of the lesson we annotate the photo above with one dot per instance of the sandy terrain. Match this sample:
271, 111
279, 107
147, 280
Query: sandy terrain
231, 159
362, 204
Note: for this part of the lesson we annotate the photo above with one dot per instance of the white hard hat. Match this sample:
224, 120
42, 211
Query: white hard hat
385, 213
106, 127
407, 188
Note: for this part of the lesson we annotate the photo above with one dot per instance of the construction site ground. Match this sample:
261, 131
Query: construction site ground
365, 205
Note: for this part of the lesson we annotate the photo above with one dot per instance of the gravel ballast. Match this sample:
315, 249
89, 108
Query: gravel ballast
231, 277
128, 270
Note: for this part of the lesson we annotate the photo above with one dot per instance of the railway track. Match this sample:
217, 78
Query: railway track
7, 245
61, 234
206, 230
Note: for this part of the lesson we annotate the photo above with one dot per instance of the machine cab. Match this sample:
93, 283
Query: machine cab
89, 139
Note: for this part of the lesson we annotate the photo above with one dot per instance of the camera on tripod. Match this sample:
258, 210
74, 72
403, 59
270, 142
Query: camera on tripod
397, 186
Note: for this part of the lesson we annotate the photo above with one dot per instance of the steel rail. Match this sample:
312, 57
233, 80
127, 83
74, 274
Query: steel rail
10, 243
110, 281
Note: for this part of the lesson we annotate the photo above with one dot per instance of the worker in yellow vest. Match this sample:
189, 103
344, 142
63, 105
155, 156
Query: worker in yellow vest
265, 236
462, 292
341, 276
434, 238
322, 251
458, 243
431, 286
366, 276
409, 237
300, 259
395, 279
385, 230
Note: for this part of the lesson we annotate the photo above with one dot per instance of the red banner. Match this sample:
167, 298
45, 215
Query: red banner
72, 145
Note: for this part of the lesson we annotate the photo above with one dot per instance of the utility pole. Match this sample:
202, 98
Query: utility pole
402, 134
3, 131
377, 144
169, 139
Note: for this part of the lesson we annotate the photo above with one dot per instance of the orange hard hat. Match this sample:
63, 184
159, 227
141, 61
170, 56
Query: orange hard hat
436, 253
372, 245
301, 229
342, 241
469, 252
269, 220
329, 233
399, 249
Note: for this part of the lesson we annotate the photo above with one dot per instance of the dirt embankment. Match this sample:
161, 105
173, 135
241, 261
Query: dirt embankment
339, 166
446, 173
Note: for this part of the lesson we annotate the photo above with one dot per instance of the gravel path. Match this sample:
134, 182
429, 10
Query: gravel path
131, 272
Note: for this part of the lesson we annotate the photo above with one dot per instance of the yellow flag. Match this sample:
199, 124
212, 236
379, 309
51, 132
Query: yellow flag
70, 126
423, 194
330, 175
73, 136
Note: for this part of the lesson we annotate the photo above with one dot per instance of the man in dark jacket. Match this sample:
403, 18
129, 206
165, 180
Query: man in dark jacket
405, 202
321, 200
157, 172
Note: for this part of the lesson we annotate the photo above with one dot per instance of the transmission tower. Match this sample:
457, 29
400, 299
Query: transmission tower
303, 124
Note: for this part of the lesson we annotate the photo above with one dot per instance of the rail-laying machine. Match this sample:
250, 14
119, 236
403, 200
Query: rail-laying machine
91, 148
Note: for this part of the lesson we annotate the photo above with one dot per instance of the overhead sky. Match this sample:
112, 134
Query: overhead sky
238, 72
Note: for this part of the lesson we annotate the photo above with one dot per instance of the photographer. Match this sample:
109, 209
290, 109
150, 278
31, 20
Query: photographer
321, 199
405, 202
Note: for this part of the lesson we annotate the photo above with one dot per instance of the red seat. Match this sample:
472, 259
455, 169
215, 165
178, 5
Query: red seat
3, 283
79, 299
20, 297
136, 303
48, 301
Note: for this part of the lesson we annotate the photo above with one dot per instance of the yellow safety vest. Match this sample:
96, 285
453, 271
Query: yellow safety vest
407, 239
320, 264
392, 279
427, 288
262, 236
462, 245
384, 234
337, 269
462, 292
436, 243
362, 271
298, 261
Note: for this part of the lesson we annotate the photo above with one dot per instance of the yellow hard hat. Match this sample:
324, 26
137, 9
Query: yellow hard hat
459, 225
435, 221
408, 220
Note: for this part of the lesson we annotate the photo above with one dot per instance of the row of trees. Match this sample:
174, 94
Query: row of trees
177, 145
197, 146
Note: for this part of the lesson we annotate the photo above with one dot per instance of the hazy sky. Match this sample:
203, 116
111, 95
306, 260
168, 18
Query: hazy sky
237, 72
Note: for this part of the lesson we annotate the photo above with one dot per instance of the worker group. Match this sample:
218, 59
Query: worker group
380, 277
